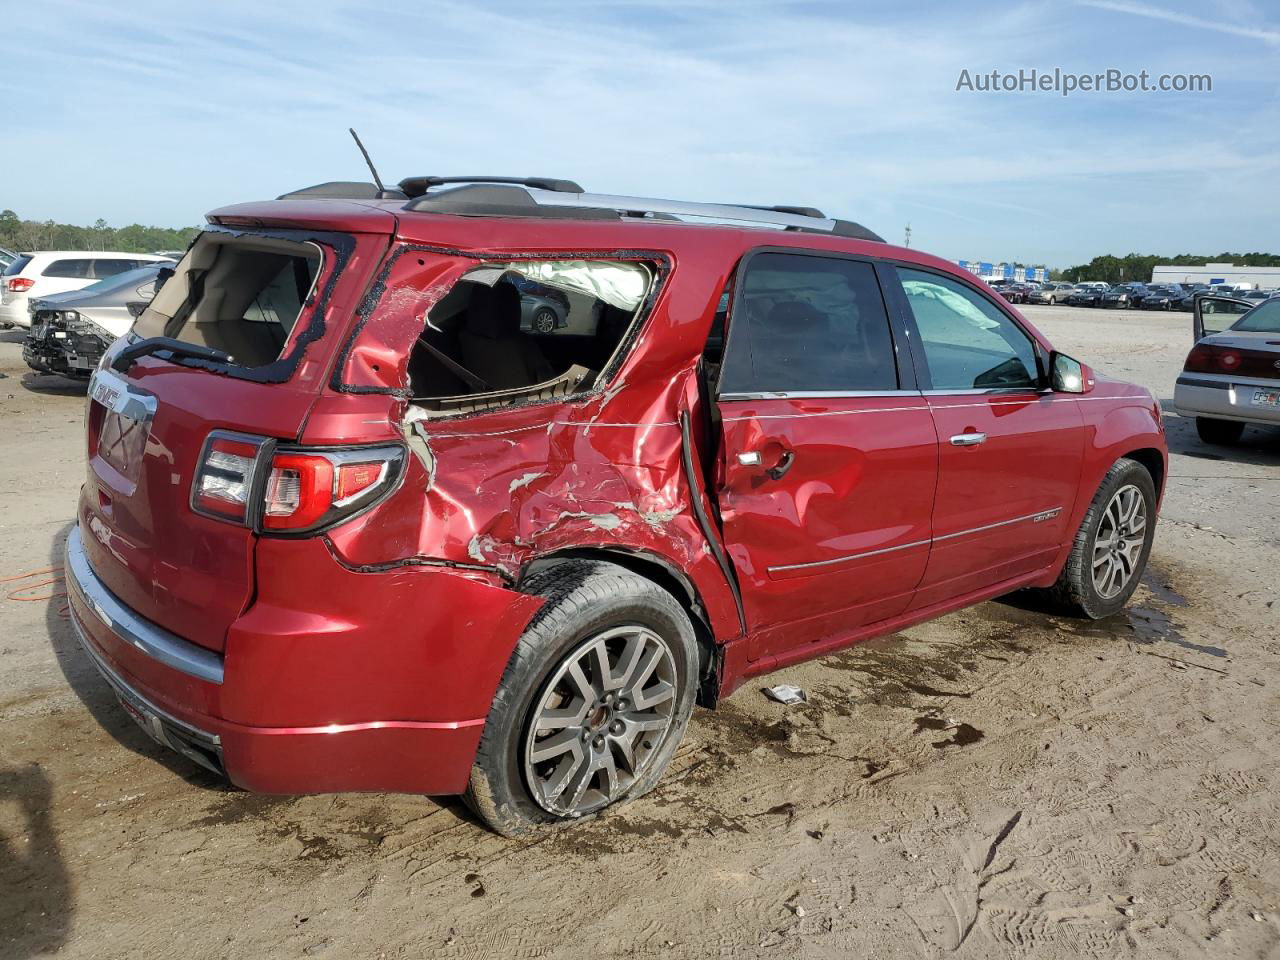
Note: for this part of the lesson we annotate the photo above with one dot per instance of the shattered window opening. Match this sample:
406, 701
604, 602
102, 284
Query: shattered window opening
238, 294
517, 332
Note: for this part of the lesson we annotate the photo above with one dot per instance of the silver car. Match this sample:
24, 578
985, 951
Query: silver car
1051, 293
1231, 377
69, 331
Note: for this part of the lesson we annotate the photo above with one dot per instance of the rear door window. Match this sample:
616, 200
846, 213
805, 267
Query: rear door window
104, 267
79, 269
522, 331
968, 342
805, 323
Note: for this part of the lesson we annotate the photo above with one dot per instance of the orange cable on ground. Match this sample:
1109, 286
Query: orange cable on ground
18, 592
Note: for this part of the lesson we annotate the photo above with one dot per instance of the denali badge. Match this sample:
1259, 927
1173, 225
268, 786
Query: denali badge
1047, 515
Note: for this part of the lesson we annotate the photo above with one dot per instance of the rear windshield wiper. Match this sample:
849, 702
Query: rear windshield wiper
123, 360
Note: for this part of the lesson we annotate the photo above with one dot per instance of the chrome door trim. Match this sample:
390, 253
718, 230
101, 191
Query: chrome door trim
816, 394
980, 391
1038, 517
852, 556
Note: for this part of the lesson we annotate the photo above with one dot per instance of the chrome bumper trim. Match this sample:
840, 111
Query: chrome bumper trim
137, 631
140, 703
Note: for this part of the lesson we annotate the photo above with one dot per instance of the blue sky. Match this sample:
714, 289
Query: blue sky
159, 111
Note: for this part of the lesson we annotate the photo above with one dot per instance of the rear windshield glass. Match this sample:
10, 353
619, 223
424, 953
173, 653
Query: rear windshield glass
533, 330
241, 295
1264, 318
18, 265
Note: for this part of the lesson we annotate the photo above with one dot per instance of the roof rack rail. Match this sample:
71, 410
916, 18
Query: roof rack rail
783, 208
417, 186
778, 217
508, 197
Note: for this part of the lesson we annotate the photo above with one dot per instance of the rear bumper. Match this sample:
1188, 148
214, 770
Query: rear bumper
1198, 395
13, 313
210, 708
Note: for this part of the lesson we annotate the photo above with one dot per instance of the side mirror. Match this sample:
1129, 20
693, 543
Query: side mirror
1068, 375
163, 277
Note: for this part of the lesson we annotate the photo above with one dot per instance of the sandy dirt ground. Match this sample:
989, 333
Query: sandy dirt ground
999, 783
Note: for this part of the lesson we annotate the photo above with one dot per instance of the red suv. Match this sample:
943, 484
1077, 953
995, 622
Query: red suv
350, 525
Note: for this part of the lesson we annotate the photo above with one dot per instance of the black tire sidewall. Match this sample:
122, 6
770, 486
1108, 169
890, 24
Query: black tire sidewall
1124, 473
632, 601
1219, 432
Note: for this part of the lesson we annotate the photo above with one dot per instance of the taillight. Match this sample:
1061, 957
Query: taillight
1209, 358
250, 481
224, 481
20, 284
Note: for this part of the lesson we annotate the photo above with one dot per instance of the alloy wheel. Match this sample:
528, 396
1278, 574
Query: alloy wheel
1117, 546
600, 721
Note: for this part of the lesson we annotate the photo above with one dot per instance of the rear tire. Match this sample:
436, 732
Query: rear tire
1223, 433
1111, 547
603, 736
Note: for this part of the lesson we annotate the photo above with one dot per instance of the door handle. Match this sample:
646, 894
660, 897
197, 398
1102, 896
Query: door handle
779, 469
752, 458
968, 439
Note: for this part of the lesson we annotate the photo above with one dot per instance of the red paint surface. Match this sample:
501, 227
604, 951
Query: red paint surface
360, 660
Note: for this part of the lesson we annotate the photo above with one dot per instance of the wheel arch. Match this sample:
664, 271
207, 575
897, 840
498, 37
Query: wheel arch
1153, 460
670, 578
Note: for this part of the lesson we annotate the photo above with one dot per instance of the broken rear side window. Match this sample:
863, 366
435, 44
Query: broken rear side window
519, 332
238, 294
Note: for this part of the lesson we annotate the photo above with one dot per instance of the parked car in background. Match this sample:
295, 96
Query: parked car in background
543, 309
1014, 292
1051, 293
1163, 296
1189, 291
70, 331
1124, 296
380, 538
44, 272
1256, 296
6, 257
1231, 377
1088, 295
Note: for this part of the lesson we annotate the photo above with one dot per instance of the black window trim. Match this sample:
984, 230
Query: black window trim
917, 347
902, 356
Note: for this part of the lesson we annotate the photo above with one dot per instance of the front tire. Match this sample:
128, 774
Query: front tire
1111, 547
544, 321
593, 703
1223, 433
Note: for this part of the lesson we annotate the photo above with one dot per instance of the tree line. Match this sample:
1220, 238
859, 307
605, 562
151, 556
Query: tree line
17, 234
1137, 267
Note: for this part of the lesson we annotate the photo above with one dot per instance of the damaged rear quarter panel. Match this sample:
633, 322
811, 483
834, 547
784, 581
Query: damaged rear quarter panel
502, 488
